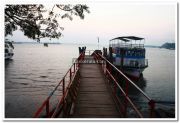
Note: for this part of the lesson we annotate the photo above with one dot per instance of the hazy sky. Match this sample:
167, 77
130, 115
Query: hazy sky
156, 22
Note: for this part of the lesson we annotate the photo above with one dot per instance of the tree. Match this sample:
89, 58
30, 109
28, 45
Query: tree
37, 22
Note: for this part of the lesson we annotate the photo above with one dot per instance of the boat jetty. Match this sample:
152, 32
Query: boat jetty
91, 88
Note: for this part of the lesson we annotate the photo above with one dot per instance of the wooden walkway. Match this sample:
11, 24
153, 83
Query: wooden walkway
87, 94
94, 97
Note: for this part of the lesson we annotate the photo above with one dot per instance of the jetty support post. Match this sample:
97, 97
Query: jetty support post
110, 54
63, 98
151, 104
74, 67
47, 108
78, 61
126, 101
70, 75
104, 66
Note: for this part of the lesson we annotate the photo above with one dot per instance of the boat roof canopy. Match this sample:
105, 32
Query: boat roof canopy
127, 38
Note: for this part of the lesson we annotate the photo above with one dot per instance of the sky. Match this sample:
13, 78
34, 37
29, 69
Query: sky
156, 22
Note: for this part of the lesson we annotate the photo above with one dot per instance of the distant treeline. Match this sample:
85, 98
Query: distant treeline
165, 45
35, 43
168, 46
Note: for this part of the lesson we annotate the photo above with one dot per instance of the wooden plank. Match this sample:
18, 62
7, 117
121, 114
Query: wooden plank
95, 104
94, 97
108, 111
95, 116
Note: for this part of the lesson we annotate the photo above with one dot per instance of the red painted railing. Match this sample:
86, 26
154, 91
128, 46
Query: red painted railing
108, 68
64, 84
53, 110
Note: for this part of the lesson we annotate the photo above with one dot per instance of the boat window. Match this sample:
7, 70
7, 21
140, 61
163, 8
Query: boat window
129, 53
138, 53
117, 50
126, 53
132, 53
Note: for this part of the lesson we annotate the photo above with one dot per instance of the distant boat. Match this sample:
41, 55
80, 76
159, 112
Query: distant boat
128, 54
8, 50
46, 44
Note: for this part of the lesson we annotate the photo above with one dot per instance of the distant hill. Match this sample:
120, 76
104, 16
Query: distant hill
168, 46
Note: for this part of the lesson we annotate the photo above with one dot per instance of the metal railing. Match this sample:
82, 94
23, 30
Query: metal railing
65, 85
89, 52
69, 87
116, 86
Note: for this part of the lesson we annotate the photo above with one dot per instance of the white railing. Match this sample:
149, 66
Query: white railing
127, 45
137, 64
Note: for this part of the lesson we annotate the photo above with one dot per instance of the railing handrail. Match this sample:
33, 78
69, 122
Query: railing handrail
126, 77
37, 113
45, 104
61, 100
127, 97
151, 102
89, 50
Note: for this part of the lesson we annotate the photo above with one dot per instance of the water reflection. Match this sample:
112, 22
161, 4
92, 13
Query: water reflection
133, 91
8, 62
31, 75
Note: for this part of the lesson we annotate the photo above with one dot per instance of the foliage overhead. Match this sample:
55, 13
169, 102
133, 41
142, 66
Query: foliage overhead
38, 22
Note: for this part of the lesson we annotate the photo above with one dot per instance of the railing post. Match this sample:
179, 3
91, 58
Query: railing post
47, 108
151, 104
70, 72
74, 67
104, 67
110, 69
63, 95
115, 88
77, 64
126, 101
107, 66
63, 86
78, 61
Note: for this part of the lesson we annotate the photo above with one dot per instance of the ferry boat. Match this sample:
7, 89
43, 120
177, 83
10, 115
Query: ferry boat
8, 50
128, 55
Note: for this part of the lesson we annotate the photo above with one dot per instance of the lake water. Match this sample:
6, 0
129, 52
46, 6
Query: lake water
35, 70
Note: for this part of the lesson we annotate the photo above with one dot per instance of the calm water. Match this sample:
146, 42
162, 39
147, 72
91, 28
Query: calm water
35, 70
